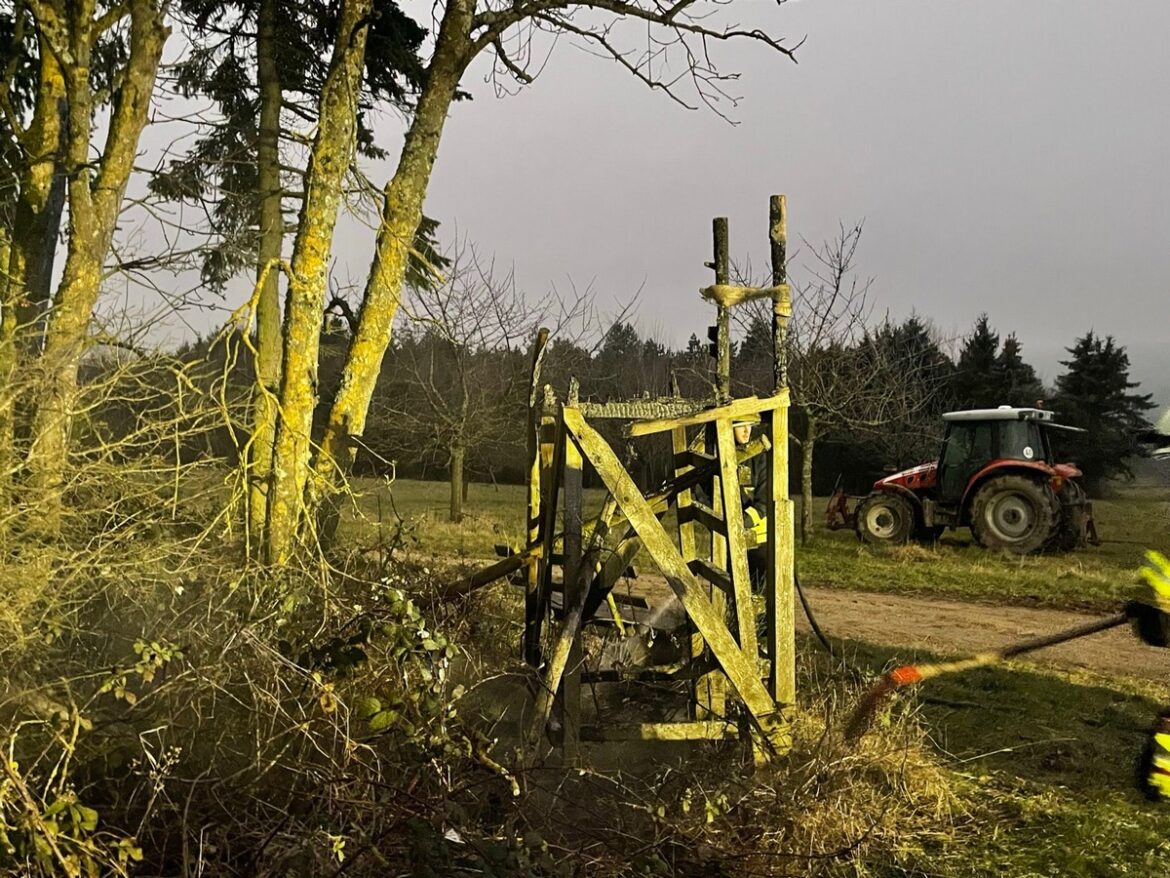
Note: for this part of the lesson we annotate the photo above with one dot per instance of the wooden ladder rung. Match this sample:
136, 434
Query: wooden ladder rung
704, 515
718, 578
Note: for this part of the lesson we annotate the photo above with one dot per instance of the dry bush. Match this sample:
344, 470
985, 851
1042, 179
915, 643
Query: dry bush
827, 808
168, 709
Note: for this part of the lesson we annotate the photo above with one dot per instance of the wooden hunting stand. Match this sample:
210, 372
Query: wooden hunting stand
709, 576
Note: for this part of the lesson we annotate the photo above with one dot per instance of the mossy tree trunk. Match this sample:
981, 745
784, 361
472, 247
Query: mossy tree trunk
401, 214
271, 225
7, 371
30, 242
95, 192
458, 454
333, 150
808, 444
41, 201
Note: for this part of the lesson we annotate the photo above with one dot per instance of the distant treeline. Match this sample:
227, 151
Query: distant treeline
433, 397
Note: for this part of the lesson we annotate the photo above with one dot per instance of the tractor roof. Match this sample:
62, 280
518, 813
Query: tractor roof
1003, 413
1009, 413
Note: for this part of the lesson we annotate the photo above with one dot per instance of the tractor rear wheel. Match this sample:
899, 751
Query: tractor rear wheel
1015, 513
885, 519
1073, 518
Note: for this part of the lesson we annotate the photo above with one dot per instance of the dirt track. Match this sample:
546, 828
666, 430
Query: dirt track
947, 627
957, 627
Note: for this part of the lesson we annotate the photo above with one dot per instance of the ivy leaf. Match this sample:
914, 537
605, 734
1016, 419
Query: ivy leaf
88, 818
383, 720
366, 708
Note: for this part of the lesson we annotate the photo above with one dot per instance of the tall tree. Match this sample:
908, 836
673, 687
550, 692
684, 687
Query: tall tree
974, 383
468, 28
85, 63
461, 367
1017, 381
988, 375
264, 63
32, 197
843, 381
333, 151
1094, 394
913, 435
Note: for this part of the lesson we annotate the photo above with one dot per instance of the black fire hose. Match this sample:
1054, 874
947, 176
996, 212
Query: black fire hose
808, 614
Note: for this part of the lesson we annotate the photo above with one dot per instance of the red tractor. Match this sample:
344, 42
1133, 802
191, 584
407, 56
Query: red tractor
996, 474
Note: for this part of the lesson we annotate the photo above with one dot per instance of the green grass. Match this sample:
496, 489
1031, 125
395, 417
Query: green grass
1094, 578
1044, 760
1041, 760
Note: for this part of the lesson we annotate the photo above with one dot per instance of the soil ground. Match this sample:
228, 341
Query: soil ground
945, 627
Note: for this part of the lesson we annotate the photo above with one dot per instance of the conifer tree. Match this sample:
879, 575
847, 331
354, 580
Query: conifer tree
1016, 381
974, 384
1095, 394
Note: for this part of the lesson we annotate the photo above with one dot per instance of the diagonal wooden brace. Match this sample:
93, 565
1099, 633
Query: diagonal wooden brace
739, 667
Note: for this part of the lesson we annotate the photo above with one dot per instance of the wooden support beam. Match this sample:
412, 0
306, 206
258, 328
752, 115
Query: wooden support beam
660, 674
779, 592
554, 453
575, 585
714, 730
736, 540
712, 574
706, 698
782, 306
489, 574
705, 516
687, 458
686, 531
749, 405
637, 409
722, 267
739, 667
711, 701
628, 600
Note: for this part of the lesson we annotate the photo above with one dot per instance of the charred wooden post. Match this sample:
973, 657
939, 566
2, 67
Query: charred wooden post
781, 305
575, 593
530, 644
722, 266
552, 453
779, 597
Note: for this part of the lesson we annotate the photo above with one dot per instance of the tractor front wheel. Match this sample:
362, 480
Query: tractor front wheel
1015, 513
885, 519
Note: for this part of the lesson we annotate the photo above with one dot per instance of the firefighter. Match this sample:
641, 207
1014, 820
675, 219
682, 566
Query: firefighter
753, 491
1151, 622
753, 495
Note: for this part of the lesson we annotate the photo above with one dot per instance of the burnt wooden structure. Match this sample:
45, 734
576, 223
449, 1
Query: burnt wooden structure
737, 689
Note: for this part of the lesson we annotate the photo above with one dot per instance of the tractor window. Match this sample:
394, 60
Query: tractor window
957, 446
1020, 440
967, 444
968, 448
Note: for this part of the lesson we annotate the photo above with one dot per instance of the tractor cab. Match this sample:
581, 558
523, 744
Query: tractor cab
996, 474
976, 438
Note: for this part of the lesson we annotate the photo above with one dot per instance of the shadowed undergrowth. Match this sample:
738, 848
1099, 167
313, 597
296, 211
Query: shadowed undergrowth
167, 710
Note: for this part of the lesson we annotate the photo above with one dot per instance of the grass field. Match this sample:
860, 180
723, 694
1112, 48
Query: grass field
1045, 761
1092, 579
1040, 760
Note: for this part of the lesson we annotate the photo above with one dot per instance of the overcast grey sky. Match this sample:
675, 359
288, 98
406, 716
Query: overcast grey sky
1006, 157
